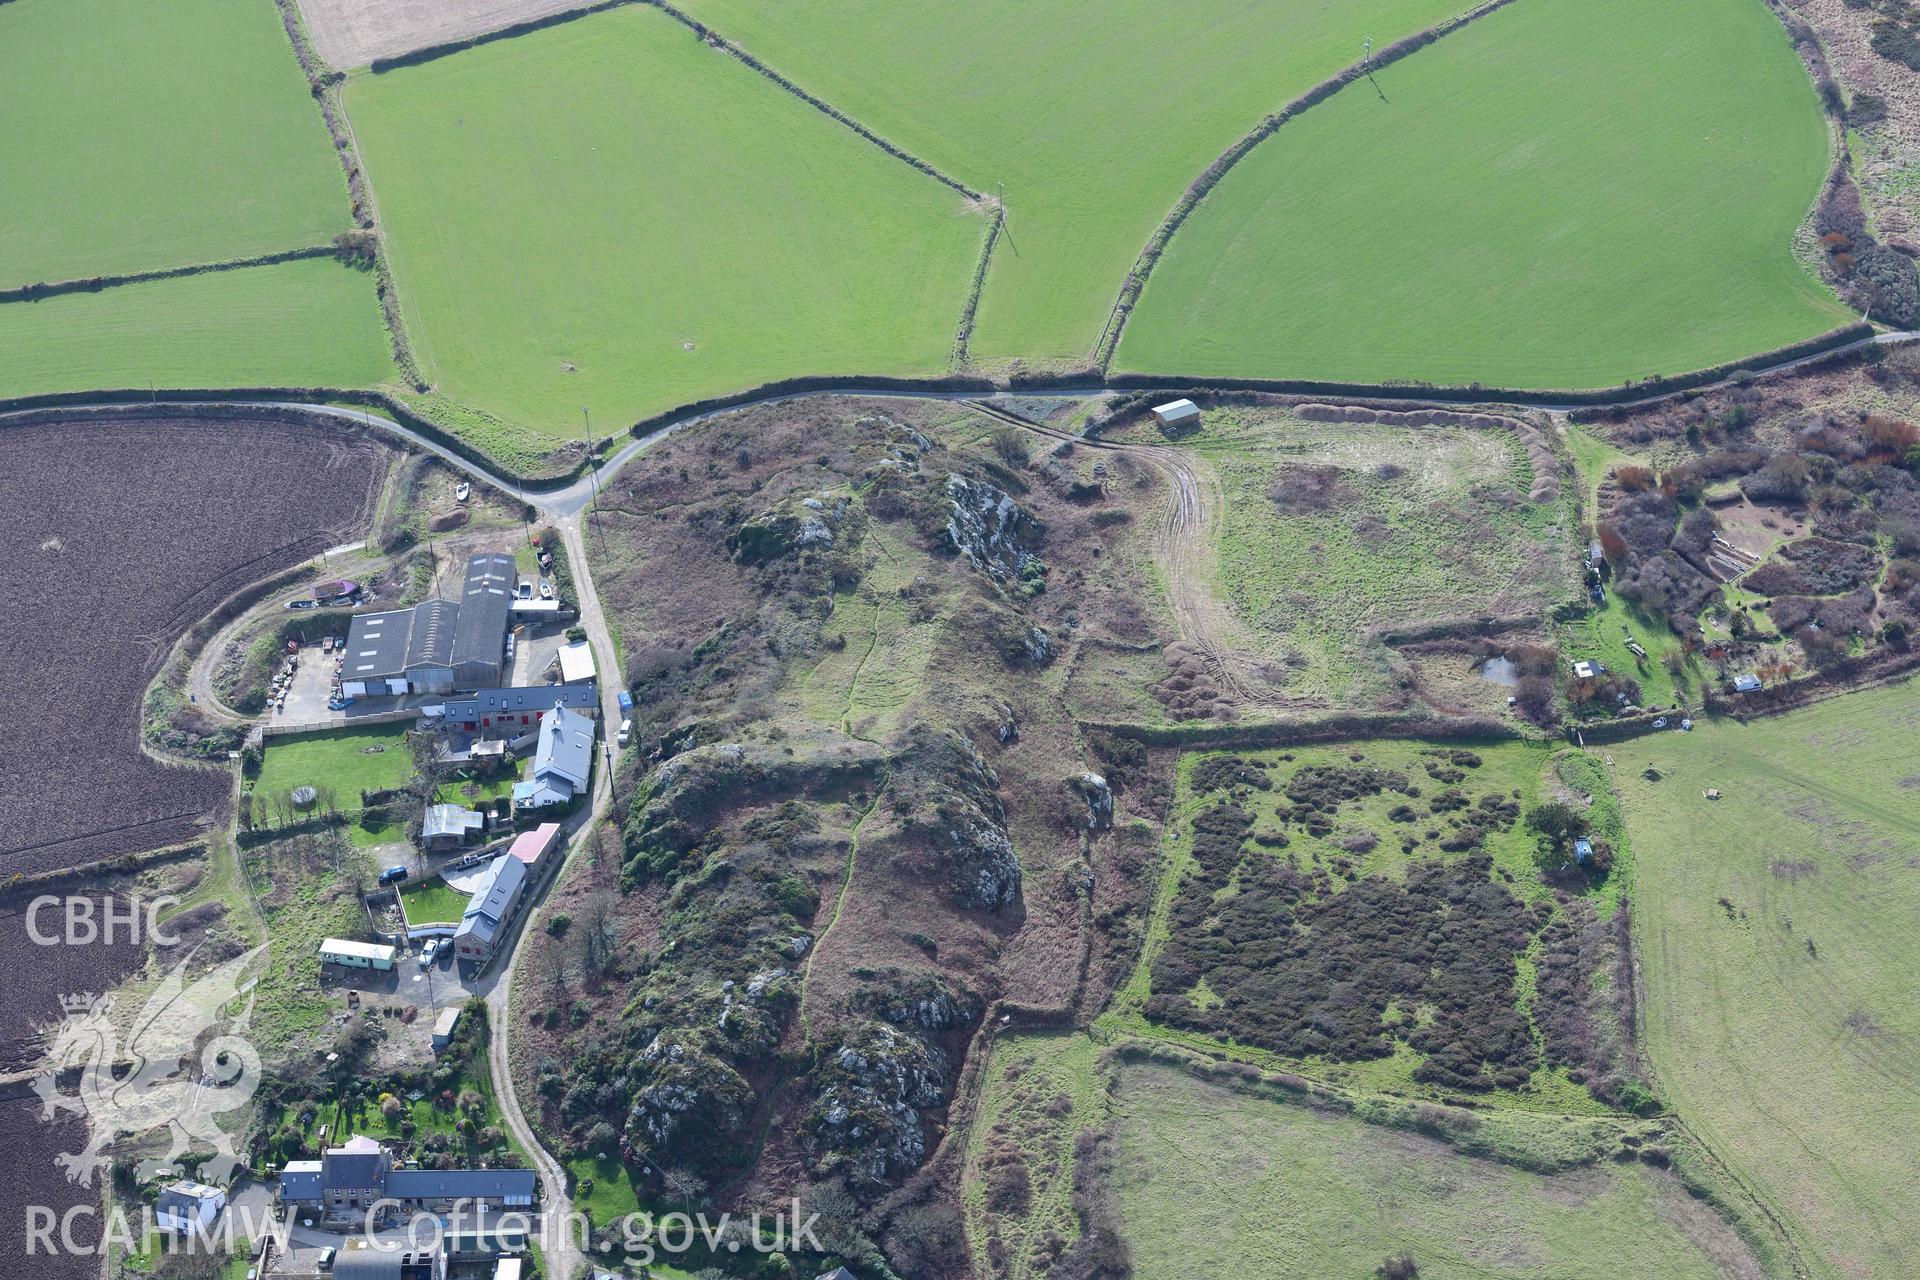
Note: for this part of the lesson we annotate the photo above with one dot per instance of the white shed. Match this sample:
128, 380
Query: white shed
1177, 413
188, 1206
576, 663
356, 955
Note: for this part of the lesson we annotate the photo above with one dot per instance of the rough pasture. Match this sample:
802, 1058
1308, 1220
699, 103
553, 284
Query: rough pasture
1775, 929
124, 532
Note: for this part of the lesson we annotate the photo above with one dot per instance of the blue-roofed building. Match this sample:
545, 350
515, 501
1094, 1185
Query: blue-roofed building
488, 912
562, 761
300, 1181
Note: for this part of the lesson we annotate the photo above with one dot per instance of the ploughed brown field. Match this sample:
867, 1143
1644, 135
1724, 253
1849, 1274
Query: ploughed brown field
121, 533
28, 1145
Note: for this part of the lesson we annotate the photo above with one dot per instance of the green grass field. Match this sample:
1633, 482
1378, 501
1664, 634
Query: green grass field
1212, 1181
1776, 927
1392, 526
610, 214
298, 324
1568, 193
141, 136
433, 902
341, 759
1096, 114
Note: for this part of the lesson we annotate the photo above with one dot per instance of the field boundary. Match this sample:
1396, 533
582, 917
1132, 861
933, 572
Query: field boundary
1834, 345
708, 36
324, 81
1336, 726
963, 334
899, 153
298, 405
99, 284
1136, 278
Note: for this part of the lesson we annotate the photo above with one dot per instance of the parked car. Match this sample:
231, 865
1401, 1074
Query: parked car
303, 603
339, 704
393, 875
428, 952
526, 589
626, 732
326, 1259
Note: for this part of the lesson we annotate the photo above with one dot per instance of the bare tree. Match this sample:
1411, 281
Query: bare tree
429, 770
598, 934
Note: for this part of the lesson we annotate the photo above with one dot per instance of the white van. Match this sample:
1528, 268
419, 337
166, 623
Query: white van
626, 733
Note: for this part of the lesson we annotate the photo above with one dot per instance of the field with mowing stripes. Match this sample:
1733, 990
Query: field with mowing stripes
1096, 114
1777, 930
1567, 193
311, 322
140, 136
609, 213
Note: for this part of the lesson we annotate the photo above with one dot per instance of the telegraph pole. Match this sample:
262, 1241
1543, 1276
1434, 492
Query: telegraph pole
586, 434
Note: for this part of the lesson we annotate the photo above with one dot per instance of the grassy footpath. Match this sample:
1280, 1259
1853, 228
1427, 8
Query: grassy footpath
1095, 114
610, 214
1567, 193
141, 136
1776, 927
311, 322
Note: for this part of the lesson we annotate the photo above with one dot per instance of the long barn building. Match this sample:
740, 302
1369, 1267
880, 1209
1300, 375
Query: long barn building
437, 646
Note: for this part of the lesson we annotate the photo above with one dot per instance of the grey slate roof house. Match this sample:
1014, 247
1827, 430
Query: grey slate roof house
348, 1179
562, 761
490, 908
518, 708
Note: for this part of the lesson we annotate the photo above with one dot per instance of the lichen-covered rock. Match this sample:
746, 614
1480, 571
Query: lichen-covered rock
980, 857
685, 1104
988, 527
1099, 797
675, 806
920, 1002
868, 1091
953, 797
790, 526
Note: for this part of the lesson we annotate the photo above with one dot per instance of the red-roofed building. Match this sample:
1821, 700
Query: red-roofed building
532, 847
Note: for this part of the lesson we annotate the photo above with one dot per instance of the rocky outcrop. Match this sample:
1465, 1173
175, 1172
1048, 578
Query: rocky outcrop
792, 526
1093, 789
953, 796
687, 1102
679, 799
989, 528
869, 1090
923, 1003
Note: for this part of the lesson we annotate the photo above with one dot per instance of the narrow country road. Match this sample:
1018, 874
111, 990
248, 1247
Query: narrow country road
1184, 540
565, 1259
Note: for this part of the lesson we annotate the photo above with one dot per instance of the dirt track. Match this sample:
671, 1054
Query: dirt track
1183, 543
352, 33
